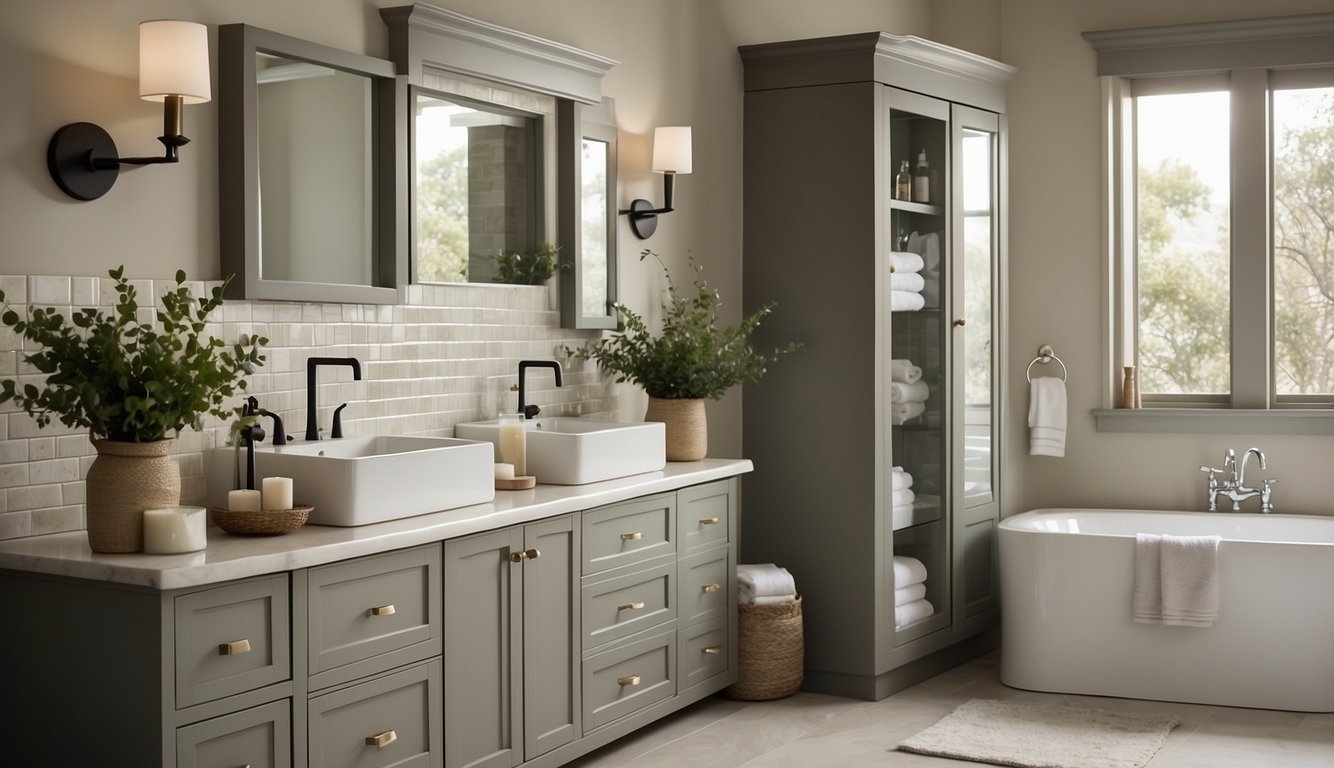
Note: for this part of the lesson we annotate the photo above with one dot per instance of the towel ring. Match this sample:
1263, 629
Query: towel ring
1046, 355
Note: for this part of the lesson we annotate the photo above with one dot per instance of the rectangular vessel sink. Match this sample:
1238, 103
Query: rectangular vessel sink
362, 480
574, 451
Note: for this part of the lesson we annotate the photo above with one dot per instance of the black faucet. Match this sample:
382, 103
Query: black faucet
531, 411
250, 435
279, 433
312, 417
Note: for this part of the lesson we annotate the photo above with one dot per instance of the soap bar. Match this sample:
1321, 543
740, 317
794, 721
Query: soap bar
504, 471
243, 501
277, 493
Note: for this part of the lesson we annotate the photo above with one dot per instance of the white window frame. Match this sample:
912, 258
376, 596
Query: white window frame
1244, 54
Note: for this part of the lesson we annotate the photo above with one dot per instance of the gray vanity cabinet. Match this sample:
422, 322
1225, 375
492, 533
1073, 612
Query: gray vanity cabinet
511, 685
829, 125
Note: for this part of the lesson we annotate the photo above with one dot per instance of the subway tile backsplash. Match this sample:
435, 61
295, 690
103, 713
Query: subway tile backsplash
448, 354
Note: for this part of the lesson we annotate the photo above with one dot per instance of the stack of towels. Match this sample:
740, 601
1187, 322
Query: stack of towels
764, 584
901, 482
905, 282
907, 391
928, 247
910, 603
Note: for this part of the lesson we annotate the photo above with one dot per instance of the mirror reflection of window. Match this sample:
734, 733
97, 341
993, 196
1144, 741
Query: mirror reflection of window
593, 227
475, 181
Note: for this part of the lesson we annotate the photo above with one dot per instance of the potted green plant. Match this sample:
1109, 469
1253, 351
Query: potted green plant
690, 360
528, 267
133, 384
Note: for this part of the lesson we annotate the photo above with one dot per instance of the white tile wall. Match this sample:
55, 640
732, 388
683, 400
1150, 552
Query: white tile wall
449, 355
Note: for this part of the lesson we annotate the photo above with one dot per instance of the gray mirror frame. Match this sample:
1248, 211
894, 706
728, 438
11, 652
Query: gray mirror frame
238, 169
574, 123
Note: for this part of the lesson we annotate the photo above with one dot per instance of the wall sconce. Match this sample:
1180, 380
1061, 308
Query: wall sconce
671, 155
173, 69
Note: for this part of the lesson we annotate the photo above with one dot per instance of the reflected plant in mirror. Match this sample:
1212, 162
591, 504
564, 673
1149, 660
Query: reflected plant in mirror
476, 172
528, 267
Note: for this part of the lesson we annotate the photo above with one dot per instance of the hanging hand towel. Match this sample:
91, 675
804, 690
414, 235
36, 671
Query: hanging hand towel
911, 613
910, 593
908, 571
1046, 416
903, 261
916, 392
1190, 580
1146, 601
905, 301
904, 371
902, 412
907, 281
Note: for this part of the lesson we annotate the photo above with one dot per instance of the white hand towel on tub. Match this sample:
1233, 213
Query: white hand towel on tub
904, 261
908, 571
907, 281
1176, 580
904, 371
763, 580
916, 392
908, 594
911, 613
1046, 416
1146, 602
905, 301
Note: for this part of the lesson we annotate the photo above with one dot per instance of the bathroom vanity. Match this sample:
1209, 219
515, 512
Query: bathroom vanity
530, 631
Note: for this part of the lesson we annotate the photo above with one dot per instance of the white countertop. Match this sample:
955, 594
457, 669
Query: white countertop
231, 557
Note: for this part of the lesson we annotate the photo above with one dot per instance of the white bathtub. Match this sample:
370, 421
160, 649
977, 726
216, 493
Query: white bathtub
1066, 581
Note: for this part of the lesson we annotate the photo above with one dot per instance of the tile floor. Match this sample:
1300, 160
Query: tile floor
814, 731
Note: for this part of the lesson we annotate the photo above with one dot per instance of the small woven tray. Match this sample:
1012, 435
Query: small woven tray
270, 523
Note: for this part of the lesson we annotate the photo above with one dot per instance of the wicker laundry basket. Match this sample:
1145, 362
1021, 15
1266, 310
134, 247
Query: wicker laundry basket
771, 650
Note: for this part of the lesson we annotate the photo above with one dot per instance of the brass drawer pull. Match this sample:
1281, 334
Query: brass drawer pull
627, 681
708, 521
636, 536
234, 648
383, 610
381, 740
635, 606
711, 587
712, 649
527, 554
532, 554
247, 765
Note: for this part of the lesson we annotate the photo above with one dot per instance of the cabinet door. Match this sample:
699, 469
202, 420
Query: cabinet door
260, 738
551, 695
482, 665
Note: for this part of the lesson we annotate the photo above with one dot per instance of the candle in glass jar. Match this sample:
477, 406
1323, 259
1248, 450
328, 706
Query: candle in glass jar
277, 493
514, 442
174, 529
243, 501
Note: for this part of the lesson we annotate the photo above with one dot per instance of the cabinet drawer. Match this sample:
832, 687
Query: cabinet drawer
705, 586
231, 639
392, 720
258, 738
705, 515
374, 605
623, 605
704, 652
629, 533
629, 678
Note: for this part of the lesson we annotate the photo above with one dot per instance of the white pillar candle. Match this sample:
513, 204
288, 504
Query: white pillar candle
174, 529
504, 471
277, 493
243, 501
514, 441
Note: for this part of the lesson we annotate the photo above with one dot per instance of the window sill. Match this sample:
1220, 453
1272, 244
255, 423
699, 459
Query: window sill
1217, 421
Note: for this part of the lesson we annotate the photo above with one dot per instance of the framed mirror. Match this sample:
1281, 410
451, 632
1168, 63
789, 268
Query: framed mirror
311, 154
587, 138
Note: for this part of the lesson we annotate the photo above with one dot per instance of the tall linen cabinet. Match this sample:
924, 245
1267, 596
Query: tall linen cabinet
829, 124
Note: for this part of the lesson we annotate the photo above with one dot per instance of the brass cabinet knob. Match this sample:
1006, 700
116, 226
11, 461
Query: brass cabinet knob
518, 557
234, 648
708, 521
636, 536
532, 554
635, 606
383, 610
959, 322
627, 681
712, 649
711, 587
381, 740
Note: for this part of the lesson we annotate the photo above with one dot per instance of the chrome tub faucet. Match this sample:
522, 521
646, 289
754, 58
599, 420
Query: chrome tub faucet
1233, 485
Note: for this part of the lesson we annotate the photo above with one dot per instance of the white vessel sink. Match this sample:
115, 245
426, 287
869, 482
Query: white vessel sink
575, 451
361, 480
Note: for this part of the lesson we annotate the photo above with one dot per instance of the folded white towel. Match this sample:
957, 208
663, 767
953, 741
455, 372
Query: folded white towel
763, 580
905, 301
908, 594
908, 571
911, 613
1046, 416
1176, 580
907, 281
900, 479
774, 600
903, 498
904, 261
916, 392
902, 412
904, 371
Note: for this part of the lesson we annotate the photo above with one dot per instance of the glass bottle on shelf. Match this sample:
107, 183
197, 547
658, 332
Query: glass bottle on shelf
921, 180
903, 183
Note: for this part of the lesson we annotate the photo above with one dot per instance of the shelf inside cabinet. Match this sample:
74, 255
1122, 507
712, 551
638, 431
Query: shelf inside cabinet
911, 207
922, 510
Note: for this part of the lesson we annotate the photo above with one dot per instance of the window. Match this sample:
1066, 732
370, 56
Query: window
1220, 214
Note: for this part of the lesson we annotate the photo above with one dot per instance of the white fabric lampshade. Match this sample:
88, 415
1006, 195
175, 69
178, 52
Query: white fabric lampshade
173, 61
671, 149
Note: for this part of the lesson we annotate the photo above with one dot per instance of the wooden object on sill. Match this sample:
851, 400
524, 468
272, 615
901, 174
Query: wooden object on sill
1129, 389
520, 483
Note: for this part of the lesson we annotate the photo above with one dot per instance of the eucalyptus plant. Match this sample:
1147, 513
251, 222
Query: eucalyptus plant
528, 267
125, 379
693, 356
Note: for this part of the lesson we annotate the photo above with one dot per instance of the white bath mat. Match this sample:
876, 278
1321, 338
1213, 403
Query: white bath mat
1032, 735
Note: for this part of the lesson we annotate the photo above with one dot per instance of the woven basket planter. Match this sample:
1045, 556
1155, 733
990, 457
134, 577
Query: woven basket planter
687, 427
123, 481
771, 650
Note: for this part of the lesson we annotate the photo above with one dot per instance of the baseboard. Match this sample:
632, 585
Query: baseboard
877, 687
